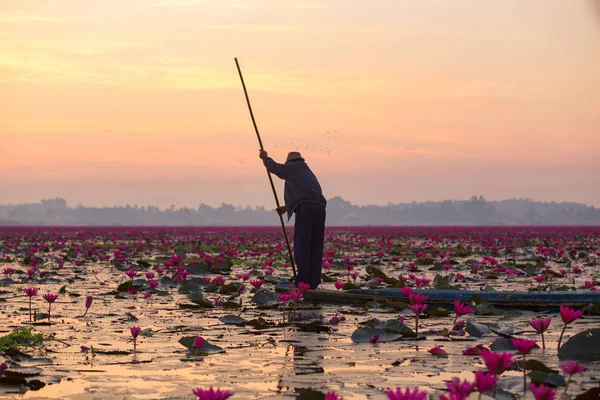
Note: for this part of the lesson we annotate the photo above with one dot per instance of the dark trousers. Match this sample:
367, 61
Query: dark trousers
309, 235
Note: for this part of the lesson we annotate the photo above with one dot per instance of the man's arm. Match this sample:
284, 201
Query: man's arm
272, 166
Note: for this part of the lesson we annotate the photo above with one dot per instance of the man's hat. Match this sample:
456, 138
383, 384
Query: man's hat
293, 155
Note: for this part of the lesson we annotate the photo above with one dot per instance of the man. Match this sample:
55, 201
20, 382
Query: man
303, 196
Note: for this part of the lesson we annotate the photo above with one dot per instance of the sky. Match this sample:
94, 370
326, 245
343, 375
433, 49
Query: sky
139, 101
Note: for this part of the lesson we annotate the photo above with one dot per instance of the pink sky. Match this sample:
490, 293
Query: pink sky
116, 102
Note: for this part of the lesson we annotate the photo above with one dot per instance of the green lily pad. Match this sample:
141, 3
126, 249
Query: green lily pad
477, 329
232, 320
547, 378
364, 335
198, 298
207, 348
584, 346
266, 298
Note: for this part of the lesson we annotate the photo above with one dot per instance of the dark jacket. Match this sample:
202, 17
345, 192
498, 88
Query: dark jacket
301, 185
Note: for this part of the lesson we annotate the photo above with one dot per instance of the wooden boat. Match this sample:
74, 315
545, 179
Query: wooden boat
520, 299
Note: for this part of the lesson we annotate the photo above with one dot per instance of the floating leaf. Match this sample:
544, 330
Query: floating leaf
198, 298
592, 394
266, 298
364, 335
260, 323
438, 312
535, 365
232, 320
314, 326
207, 348
477, 329
547, 378
584, 346
198, 268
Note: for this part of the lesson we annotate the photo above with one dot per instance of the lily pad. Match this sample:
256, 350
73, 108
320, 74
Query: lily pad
207, 348
364, 335
198, 298
232, 320
547, 378
585, 346
477, 329
265, 298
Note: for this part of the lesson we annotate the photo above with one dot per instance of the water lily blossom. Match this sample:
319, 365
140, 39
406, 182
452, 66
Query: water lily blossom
496, 363
543, 392
540, 326
571, 368
198, 343
135, 331
30, 292
524, 346
333, 396
50, 298
88, 304
485, 381
408, 394
568, 315
437, 351
211, 394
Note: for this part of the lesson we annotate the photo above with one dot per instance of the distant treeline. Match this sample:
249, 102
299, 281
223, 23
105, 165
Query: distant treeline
476, 211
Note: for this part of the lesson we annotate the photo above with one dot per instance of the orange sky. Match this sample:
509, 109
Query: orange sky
139, 101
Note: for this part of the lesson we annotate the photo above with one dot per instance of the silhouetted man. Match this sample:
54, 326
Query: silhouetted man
303, 196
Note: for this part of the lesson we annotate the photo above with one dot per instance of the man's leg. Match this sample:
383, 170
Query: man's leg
302, 241
316, 251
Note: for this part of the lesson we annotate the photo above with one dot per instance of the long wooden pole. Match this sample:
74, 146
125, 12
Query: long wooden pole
287, 240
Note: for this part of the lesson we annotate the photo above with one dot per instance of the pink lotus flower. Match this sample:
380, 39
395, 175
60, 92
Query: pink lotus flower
198, 342
135, 331
333, 396
374, 339
50, 298
85, 349
335, 319
218, 280
437, 351
303, 287
296, 295
461, 309
338, 285
30, 292
523, 346
211, 394
243, 277
407, 291
568, 315
540, 326
418, 308
3, 367
542, 392
496, 363
257, 283
415, 394
571, 369
131, 273
88, 304
417, 299
284, 297
149, 275
460, 390
485, 381
153, 283
474, 351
